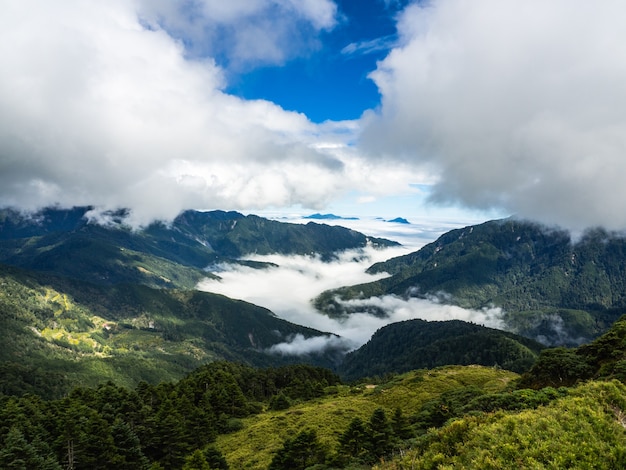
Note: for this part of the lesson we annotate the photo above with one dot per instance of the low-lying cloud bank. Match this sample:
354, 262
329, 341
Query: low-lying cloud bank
288, 289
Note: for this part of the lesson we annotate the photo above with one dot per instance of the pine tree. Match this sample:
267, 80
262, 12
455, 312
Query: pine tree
196, 461
128, 448
215, 458
379, 435
18, 454
401, 426
299, 453
354, 439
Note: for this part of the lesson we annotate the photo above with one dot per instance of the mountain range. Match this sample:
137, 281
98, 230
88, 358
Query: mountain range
70, 243
83, 301
550, 287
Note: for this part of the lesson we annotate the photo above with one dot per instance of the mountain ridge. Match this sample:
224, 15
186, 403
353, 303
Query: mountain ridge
161, 255
547, 286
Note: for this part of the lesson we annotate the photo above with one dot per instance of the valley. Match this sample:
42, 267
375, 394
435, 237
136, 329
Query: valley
402, 344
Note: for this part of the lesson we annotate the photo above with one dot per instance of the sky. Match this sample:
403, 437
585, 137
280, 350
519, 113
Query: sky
395, 108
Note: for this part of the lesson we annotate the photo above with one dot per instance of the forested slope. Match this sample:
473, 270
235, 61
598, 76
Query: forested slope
58, 332
69, 243
418, 344
550, 287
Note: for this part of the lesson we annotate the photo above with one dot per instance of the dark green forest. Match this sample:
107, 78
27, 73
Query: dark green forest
175, 255
418, 344
181, 424
151, 426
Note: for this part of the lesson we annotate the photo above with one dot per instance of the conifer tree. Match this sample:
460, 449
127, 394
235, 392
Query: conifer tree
401, 426
354, 439
380, 435
298, 453
18, 454
196, 461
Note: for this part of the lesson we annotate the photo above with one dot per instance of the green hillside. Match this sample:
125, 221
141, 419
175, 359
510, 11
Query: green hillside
550, 288
230, 416
59, 332
262, 435
65, 242
418, 344
584, 429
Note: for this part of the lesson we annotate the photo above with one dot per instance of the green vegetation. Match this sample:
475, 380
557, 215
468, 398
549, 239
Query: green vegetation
63, 242
331, 415
604, 359
419, 344
57, 333
102, 368
552, 289
221, 416
172, 425
584, 429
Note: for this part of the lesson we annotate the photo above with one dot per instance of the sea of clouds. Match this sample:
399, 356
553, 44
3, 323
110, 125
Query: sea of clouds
288, 289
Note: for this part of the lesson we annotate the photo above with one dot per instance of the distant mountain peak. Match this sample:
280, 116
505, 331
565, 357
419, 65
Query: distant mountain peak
318, 216
399, 220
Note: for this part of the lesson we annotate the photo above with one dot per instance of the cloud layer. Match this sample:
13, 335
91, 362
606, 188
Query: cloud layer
104, 106
507, 104
513, 104
243, 33
288, 289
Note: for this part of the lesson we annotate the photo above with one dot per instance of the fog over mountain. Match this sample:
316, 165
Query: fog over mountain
287, 290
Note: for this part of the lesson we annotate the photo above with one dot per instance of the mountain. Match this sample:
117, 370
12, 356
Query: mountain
418, 344
59, 332
318, 216
69, 243
602, 359
550, 288
399, 220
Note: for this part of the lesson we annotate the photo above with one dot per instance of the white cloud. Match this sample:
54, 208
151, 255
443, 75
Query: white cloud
100, 109
299, 345
244, 32
512, 104
288, 289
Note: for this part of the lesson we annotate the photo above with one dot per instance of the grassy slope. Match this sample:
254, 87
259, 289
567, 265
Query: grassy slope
252, 447
582, 430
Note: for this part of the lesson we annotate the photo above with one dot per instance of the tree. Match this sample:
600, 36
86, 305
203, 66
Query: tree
401, 426
129, 454
279, 402
379, 435
196, 461
299, 453
557, 367
215, 458
18, 454
354, 439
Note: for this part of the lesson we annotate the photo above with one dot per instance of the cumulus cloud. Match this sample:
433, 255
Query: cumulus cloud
511, 104
287, 290
102, 105
244, 33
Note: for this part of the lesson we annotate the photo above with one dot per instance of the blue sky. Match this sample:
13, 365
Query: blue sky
373, 107
330, 82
